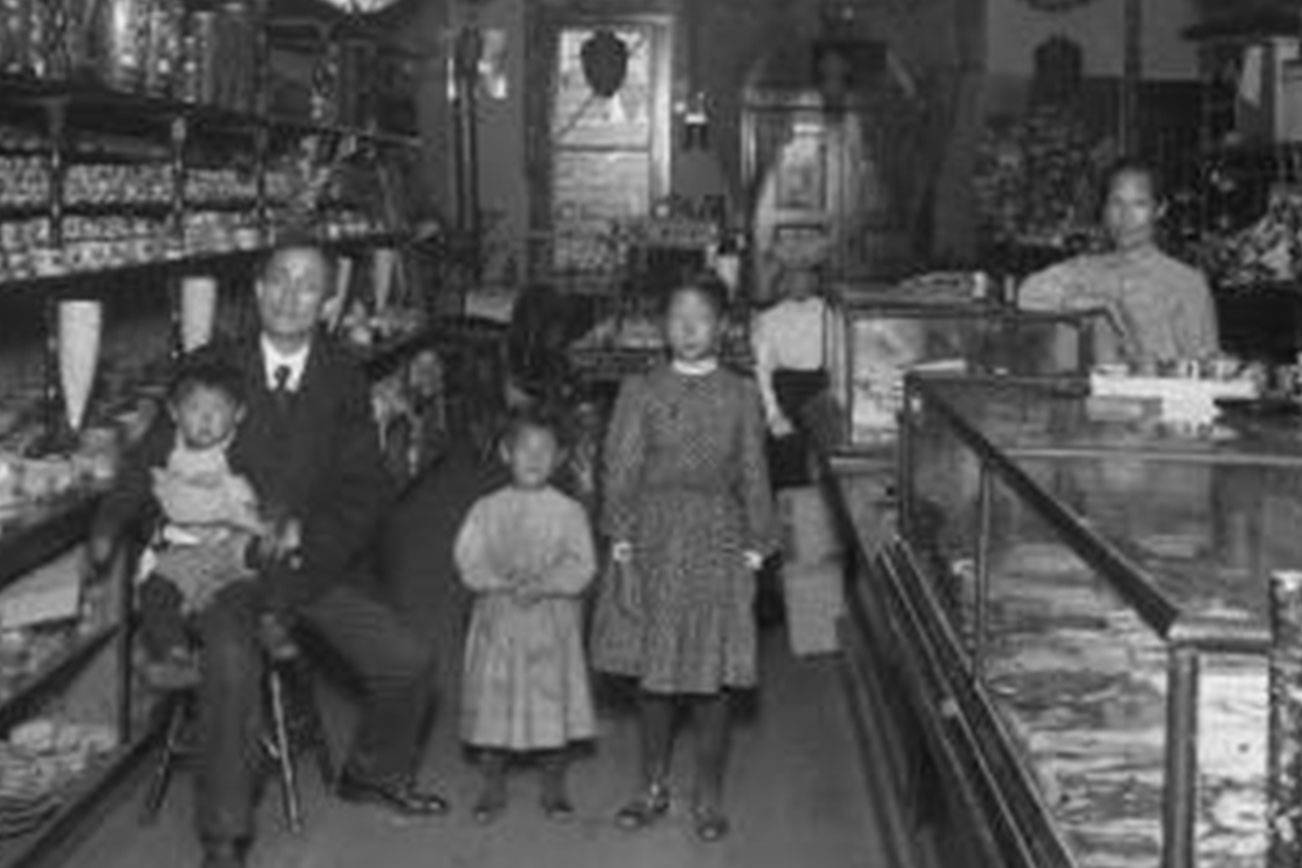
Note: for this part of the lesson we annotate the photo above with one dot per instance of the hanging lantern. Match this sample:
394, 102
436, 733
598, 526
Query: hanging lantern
605, 62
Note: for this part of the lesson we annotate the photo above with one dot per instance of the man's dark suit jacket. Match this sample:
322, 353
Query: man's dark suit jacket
319, 462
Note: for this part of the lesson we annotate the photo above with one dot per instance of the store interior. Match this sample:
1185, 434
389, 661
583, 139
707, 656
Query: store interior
1036, 605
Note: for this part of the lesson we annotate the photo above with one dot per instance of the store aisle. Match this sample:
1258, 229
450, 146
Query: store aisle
798, 797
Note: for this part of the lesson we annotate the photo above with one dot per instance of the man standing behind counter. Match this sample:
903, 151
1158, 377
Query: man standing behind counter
1160, 310
308, 444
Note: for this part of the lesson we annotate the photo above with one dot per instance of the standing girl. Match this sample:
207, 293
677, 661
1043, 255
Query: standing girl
688, 508
526, 551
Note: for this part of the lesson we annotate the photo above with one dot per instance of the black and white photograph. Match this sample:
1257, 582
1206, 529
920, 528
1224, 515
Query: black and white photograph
650, 434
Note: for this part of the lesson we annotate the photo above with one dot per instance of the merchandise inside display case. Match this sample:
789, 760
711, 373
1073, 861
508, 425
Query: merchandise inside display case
1098, 594
886, 338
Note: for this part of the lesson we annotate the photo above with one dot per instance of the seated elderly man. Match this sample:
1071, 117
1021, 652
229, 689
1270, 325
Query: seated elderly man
307, 444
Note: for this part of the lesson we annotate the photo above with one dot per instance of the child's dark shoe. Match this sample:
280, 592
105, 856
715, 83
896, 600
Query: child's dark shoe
490, 805
644, 809
557, 808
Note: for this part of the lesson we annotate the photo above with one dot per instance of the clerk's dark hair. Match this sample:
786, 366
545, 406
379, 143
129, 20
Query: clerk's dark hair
204, 371
1131, 165
707, 286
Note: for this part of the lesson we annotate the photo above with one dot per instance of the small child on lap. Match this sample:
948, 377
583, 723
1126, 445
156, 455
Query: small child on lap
213, 533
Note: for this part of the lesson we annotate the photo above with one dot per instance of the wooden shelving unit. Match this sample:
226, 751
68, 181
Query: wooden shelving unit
74, 120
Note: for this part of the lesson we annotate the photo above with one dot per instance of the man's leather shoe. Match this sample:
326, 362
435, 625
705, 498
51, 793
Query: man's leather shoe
401, 796
223, 854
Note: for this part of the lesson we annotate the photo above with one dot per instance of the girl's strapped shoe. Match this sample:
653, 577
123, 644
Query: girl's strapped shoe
557, 808
644, 809
710, 824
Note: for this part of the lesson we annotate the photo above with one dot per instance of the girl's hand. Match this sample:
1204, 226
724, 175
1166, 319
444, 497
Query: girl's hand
628, 593
622, 552
754, 560
528, 594
780, 426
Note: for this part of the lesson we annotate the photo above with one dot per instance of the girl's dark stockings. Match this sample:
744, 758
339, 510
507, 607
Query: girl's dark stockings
657, 719
710, 720
492, 798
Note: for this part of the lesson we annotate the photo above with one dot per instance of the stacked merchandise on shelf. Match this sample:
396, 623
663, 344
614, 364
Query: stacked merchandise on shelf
38, 762
155, 48
104, 226
1268, 251
813, 570
1036, 180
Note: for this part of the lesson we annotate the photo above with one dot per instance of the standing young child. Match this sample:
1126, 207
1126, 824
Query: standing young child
526, 552
688, 507
213, 532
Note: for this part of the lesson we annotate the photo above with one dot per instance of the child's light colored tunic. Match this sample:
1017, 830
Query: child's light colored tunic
526, 679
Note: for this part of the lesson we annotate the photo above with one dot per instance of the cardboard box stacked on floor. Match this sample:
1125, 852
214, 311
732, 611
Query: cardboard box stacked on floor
813, 570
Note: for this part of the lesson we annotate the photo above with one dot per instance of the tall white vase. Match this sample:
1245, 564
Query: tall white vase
81, 324
198, 310
383, 263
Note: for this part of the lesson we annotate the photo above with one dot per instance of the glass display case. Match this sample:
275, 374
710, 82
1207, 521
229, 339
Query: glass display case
1099, 615
886, 337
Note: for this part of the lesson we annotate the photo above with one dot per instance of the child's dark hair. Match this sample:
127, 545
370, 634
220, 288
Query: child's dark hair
537, 419
707, 286
206, 373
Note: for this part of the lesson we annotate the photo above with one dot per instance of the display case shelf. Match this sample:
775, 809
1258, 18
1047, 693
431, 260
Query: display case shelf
343, 243
34, 533
52, 676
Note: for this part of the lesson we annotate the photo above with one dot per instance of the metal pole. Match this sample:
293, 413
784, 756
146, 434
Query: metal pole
981, 586
1181, 793
1132, 76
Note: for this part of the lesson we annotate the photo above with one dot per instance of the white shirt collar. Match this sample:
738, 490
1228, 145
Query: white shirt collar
697, 369
273, 358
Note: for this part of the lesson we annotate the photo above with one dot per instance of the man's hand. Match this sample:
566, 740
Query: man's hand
622, 552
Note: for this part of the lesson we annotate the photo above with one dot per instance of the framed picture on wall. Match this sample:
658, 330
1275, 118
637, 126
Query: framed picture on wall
802, 172
800, 243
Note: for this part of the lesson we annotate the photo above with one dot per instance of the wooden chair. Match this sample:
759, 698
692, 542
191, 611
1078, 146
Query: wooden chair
293, 727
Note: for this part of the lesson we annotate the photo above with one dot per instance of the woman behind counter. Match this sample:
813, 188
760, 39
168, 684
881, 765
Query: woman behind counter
1161, 310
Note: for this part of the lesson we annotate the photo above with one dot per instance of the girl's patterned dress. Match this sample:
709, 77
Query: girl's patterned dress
686, 483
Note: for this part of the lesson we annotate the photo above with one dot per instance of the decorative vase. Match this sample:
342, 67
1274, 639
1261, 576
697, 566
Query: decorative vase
198, 310
383, 263
80, 326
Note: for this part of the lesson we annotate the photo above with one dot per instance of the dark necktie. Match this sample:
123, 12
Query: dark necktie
282, 392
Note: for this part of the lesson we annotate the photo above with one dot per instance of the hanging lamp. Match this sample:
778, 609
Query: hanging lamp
605, 62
